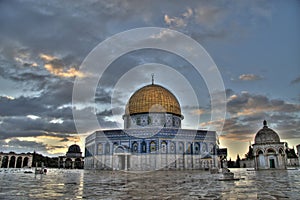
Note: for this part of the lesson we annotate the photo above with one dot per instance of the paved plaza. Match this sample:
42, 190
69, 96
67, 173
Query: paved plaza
83, 184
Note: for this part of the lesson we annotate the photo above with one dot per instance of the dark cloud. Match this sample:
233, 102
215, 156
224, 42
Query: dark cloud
26, 127
296, 80
234, 129
246, 103
19, 146
247, 112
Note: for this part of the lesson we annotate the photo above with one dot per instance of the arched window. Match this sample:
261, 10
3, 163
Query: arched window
107, 148
204, 147
172, 147
260, 152
144, 147
163, 147
152, 146
271, 151
134, 147
189, 148
180, 147
100, 149
197, 148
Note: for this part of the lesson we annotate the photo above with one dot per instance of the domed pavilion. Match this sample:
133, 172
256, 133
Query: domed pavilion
73, 158
269, 152
152, 137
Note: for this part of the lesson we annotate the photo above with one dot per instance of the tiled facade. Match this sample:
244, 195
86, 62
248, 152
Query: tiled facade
152, 138
168, 148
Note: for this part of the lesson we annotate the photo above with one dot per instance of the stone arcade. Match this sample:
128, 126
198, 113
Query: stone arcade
14, 160
152, 138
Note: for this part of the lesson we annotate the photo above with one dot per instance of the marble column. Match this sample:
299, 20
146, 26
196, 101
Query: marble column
125, 162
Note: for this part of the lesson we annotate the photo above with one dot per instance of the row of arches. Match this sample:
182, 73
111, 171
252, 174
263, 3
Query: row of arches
269, 157
269, 151
15, 161
163, 147
71, 163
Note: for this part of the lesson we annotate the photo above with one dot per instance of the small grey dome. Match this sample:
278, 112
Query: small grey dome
74, 149
266, 135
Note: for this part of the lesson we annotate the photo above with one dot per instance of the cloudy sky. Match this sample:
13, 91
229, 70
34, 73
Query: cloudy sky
254, 44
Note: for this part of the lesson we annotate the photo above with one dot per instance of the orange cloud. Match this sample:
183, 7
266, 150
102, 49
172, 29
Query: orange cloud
197, 112
47, 58
72, 72
238, 137
249, 77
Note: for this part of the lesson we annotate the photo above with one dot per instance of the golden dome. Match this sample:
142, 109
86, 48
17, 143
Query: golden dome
153, 98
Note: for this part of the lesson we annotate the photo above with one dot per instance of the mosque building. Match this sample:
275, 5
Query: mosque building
152, 137
268, 152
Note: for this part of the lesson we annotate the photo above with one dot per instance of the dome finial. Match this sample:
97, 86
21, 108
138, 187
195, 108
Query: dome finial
265, 123
152, 78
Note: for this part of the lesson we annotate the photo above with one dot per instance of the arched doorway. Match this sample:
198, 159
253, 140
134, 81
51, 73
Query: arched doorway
25, 162
261, 159
4, 162
68, 163
77, 164
12, 162
19, 162
271, 158
123, 162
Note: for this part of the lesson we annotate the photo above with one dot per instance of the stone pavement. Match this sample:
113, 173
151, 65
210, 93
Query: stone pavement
90, 184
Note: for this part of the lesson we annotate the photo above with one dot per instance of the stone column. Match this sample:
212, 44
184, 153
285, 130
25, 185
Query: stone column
125, 162
22, 160
298, 152
267, 164
73, 163
255, 162
30, 161
8, 158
